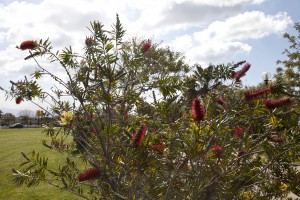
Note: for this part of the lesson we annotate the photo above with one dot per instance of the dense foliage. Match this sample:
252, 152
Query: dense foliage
139, 123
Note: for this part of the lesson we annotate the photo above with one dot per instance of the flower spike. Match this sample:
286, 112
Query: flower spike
272, 104
29, 44
89, 175
239, 74
198, 110
138, 137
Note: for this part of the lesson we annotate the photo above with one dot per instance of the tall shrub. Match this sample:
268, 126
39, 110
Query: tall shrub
141, 124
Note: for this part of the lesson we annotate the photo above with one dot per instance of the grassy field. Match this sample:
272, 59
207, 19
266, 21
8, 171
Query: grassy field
12, 143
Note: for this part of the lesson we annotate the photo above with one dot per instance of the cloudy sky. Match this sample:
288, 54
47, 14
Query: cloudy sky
206, 31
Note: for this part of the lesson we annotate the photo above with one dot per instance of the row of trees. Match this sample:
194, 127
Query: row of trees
146, 125
26, 117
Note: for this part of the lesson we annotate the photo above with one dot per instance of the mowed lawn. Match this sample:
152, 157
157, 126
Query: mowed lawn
12, 143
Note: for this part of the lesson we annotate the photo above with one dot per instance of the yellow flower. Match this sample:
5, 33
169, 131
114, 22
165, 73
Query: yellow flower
283, 187
247, 195
66, 117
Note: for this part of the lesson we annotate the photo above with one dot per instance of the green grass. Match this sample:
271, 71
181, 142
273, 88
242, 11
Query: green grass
12, 143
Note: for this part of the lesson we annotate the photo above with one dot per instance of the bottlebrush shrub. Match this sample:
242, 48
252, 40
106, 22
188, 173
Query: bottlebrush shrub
178, 158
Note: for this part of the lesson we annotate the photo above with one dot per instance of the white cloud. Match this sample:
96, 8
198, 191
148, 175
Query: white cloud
216, 52
162, 17
228, 2
16, 12
248, 25
257, 1
158, 17
222, 40
182, 43
11, 62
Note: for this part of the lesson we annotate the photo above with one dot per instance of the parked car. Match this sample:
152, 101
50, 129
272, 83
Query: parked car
17, 125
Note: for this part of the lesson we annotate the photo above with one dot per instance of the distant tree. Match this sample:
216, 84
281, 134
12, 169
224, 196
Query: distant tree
25, 115
8, 119
1, 114
289, 74
39, 114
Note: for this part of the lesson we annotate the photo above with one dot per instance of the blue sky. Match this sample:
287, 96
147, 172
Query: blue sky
205, 31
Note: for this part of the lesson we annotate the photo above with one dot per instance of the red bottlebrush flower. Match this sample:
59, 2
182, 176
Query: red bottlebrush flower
217, 150
220, 101
139, 135
272, 104
27, 45
89, 175
238, 131
19, 100
237, 75
249, 95
198, 110
158, 147
146, 46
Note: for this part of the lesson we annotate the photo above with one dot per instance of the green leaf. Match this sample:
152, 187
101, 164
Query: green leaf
37, 74
109, 46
